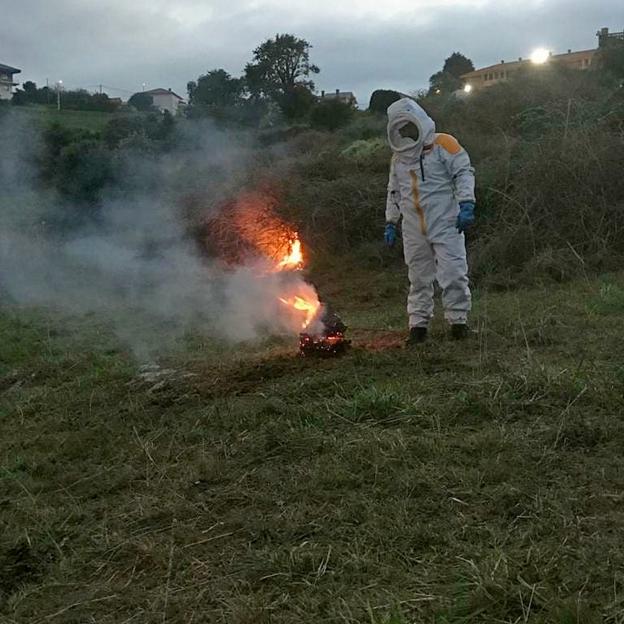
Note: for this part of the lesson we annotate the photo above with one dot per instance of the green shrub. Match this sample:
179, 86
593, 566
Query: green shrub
331, 114
364, 126
363, 150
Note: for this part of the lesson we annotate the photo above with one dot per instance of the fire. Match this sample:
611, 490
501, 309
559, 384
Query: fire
310, 307
304, 301
293, 259
249, 231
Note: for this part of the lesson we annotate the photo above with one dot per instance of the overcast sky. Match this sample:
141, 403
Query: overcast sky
360, 45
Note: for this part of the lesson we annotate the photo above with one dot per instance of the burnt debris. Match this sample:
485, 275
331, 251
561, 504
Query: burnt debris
330, 342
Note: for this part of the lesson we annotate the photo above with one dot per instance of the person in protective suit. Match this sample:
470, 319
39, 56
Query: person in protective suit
431, 189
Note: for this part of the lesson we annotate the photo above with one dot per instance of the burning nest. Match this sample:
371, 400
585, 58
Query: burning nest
328, 341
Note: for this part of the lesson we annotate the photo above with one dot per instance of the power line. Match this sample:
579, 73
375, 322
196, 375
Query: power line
109, 88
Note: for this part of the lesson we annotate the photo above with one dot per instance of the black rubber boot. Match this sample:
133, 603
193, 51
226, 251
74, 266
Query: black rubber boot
417, 336
460, 331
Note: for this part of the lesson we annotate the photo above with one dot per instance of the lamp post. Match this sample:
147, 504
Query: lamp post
59, 87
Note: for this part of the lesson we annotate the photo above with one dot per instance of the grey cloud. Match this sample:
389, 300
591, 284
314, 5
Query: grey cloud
125, 44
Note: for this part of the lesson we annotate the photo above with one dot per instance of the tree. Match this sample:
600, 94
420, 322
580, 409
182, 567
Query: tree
296, 103
30, 88
30, 94
331, 114
450, 78
215, 88
75, 99
280, 69
142, 102
443, 83
457, 65
81, 99
382, 99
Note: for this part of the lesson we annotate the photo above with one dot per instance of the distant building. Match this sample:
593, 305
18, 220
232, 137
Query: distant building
346, 97
605, 37
488, 76
584, 59
166, 100
6, 81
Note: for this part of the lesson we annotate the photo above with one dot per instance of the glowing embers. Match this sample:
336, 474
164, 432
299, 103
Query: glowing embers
328, 341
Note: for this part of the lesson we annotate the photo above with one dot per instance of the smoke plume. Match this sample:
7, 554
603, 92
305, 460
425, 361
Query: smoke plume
136, 261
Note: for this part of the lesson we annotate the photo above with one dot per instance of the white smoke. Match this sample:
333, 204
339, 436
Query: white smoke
136, 263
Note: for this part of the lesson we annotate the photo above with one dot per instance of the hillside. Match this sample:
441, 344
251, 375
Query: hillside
157, 465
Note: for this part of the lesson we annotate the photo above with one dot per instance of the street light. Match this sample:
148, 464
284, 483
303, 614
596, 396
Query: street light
540, 56
59, 87
468, 88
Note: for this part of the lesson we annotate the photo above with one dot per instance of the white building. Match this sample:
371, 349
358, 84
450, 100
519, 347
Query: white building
166, 100
6, 81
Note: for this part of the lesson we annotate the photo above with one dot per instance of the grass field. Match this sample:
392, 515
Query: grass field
478, 482
45, 115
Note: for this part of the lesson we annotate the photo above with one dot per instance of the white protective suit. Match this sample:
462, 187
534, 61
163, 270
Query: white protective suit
428, 179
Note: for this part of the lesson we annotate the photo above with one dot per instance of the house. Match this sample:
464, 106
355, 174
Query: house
346, 97
583, 59
166, 100
6, 81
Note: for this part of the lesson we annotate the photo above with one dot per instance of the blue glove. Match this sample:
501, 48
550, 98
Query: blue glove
466, 215
390, 234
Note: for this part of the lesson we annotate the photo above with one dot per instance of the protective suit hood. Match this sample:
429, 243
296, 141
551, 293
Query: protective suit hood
405, 111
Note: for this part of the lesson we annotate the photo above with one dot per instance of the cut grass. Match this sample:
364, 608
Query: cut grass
461, 482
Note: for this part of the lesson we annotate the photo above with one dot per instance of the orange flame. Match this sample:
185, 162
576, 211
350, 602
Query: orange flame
249, 227
308, 306
294, 257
